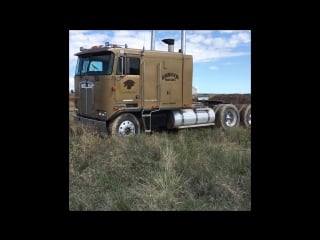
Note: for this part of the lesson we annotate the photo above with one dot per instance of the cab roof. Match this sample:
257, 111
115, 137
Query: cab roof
117, 48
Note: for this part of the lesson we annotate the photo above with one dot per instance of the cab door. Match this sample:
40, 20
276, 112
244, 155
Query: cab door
128, 81
171, 84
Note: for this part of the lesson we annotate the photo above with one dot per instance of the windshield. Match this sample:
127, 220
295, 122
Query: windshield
95, 64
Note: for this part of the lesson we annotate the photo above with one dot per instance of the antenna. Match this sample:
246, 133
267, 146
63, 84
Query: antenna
144, 39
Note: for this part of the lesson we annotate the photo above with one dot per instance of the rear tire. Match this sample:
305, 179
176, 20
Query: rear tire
227, 116
124, 125
245, 116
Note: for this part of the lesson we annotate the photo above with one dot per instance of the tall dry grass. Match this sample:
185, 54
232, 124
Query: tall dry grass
192, 169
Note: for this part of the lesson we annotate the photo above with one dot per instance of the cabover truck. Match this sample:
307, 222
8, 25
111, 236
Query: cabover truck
124, 91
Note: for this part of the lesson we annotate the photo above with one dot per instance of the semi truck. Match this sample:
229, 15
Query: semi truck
124, 91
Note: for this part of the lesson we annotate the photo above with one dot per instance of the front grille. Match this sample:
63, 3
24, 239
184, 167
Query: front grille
86, 98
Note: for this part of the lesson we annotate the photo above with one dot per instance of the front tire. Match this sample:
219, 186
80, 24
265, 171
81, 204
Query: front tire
124, 125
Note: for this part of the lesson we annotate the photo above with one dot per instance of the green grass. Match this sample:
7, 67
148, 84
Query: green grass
204, 169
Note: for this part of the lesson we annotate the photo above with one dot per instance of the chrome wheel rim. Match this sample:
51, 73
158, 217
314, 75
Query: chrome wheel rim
126, 128
230, 118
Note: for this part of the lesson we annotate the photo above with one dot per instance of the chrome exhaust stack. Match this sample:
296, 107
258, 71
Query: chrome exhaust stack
183, 41
153, 39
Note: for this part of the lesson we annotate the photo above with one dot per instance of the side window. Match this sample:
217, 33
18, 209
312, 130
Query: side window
131, 65
134, 66
84, 66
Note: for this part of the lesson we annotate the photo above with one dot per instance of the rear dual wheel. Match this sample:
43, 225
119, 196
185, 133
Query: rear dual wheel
227, 116
245, 116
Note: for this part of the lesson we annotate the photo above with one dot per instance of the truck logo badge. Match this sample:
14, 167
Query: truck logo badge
170, 77
129, 84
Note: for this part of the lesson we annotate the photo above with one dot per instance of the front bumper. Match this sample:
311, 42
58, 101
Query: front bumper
99, 126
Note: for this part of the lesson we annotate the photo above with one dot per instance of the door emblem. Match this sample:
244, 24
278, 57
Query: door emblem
129, 84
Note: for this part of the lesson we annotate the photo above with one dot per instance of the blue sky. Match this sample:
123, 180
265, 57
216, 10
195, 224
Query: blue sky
221, 58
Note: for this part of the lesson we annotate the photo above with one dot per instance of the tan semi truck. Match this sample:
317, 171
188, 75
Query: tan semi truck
124, 91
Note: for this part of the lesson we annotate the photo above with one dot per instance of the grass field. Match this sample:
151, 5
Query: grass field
199, 169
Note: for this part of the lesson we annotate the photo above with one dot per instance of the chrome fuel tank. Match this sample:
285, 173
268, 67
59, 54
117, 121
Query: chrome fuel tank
191, 117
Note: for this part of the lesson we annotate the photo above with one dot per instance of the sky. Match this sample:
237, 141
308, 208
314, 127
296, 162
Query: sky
221, 58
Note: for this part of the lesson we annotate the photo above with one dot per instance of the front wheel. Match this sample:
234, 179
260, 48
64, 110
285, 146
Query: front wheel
124, 125
227, 116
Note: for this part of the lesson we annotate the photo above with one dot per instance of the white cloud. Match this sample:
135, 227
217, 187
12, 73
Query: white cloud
134, 39
244, 37
229, 63
204, 31
232, 31
213, 68
206, 48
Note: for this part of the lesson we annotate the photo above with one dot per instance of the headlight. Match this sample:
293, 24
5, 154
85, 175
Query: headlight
102, 113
